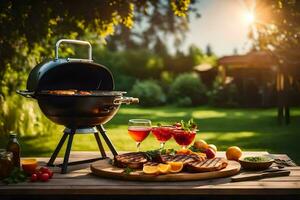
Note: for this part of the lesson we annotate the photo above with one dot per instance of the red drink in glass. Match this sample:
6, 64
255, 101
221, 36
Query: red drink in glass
184, 138
139, 129
162, 133
139, 133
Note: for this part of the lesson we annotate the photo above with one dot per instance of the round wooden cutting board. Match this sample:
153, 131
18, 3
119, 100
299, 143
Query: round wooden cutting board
103, 168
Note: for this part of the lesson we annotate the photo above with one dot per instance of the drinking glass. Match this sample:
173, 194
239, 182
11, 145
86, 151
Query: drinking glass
139, 129
183, 137
162, 134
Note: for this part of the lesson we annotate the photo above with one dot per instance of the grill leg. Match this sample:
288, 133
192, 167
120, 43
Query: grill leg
100, 145
67, 153
107, 140
57, 149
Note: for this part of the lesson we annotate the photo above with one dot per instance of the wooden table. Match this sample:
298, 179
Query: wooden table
79, 182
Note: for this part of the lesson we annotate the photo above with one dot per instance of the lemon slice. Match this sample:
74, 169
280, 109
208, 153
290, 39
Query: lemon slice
175, 167
147, 169
164, 168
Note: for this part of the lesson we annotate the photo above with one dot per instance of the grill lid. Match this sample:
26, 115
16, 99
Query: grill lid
70, 73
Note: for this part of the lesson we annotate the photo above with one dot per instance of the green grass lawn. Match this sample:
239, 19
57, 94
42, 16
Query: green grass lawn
250, 129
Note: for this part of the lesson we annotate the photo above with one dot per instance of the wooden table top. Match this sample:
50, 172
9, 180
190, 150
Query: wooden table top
79, 180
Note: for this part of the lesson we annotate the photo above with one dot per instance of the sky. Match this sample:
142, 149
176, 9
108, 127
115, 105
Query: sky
222, 24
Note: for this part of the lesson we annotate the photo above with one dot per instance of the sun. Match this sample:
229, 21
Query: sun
249, 17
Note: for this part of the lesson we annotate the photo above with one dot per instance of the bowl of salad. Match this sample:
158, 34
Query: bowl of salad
256, 162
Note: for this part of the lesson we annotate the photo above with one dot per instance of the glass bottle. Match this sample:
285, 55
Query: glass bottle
14, 147
6, 163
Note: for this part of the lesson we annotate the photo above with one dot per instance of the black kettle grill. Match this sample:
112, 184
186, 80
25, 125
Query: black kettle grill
78, 94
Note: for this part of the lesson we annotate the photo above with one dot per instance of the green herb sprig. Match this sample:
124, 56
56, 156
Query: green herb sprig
168, 151
128, 170
151, 155
188, 126
16, 176
194, 149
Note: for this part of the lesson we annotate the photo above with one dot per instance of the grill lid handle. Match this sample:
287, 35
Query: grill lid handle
26, 93
73, 42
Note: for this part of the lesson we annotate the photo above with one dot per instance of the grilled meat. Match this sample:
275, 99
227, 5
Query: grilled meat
61, 92
150, 163
181, 158
134, 160
208, 165
67, 92
192, 162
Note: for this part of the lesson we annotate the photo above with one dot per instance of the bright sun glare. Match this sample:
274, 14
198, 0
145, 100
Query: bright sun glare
249, 17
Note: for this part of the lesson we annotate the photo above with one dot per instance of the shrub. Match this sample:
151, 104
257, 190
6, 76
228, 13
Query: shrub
187, 85
224, 95
124, 82
184, 102
23, 116
149, 93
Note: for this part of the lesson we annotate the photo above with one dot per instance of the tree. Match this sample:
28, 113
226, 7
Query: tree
28, 28
277, 26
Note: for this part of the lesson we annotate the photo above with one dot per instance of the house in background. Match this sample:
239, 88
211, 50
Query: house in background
263, 80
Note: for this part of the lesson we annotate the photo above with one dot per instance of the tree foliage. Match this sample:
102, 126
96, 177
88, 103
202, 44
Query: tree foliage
277, 26
28, 28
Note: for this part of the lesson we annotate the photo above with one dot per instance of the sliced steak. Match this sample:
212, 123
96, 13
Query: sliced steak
209, 165
150, 163
134, 160
181, 158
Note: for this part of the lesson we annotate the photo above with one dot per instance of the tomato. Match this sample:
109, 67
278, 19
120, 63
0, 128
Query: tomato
44, 177
44, 169
39, 174
34, 177
50, 173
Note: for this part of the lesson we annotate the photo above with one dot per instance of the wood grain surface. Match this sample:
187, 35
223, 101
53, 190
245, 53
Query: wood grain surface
80, 181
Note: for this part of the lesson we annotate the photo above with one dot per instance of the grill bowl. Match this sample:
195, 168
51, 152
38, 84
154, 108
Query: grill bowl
78, 111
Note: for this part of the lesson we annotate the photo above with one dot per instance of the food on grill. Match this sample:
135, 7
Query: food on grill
181, 158
68, 92
61, 92
81, 92
207, 165
134, 160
